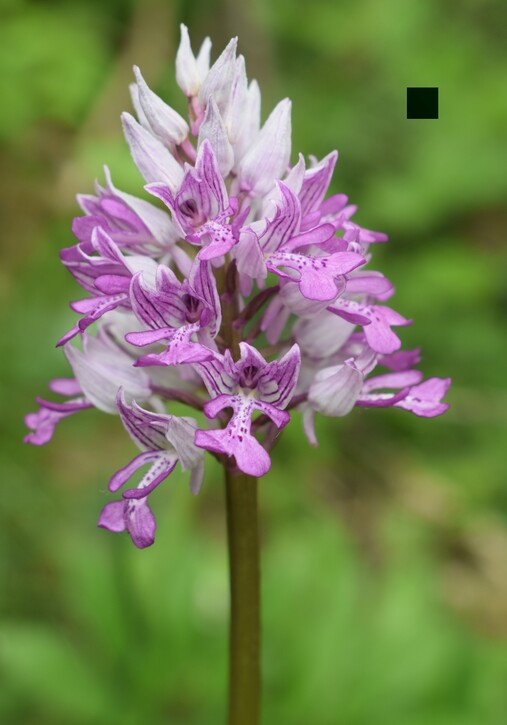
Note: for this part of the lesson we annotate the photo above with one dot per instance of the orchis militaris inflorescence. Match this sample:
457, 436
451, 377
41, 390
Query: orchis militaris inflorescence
249, 250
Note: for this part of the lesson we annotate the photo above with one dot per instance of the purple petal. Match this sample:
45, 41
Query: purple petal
317, 235
146, 429
316, 183
279, 378
317, 275
140, 522
149, 337
162, 466
251, 458
401, 379
401, 360
378, 332
112, 517
65, 386
122, 476
424, 399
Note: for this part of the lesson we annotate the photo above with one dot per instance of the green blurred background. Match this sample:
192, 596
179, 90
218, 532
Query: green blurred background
385, 549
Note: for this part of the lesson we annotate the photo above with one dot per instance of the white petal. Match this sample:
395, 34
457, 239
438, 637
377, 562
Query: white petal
164, 121
268, 158
213, 129
134, 95
150, 156
218, 81
335, 390
251, 121
101, 370
203, 58
188, 76
237, 106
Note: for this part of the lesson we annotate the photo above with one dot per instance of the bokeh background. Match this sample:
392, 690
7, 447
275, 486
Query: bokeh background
385, 549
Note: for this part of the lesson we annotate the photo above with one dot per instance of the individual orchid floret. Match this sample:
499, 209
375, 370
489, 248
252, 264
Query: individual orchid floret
190, 71
376, 321
134, 225
421, 398
272, 245
154, 161
336, 389
176, 312
44, 421
164, 440
213, 129
201, 205
248, 385
100, 369
106, 275
156, 116
218, 81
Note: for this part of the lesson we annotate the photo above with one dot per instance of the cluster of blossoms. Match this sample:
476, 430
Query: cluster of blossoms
250, 261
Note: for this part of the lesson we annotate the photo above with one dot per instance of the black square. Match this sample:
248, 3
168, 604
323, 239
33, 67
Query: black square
422, 102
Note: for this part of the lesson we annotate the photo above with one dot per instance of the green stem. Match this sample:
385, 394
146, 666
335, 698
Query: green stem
244, 573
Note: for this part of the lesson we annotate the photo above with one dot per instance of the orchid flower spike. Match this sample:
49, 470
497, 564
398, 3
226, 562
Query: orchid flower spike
243, 290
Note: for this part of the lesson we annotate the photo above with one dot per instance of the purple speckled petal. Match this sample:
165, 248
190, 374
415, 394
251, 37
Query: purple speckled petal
123, 474
316, 274
424, 399
236, 440
162, 466
180, 349
220, 240
377, 321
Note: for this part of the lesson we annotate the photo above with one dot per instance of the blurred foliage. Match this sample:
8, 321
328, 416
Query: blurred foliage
385, 549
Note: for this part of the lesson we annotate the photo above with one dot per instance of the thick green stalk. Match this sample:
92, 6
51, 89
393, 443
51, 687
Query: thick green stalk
244, 575
244, 556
